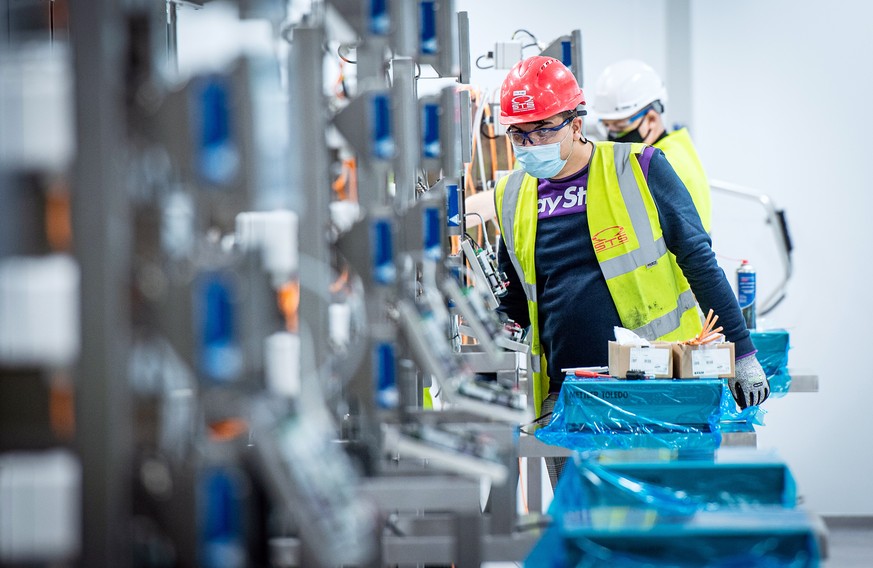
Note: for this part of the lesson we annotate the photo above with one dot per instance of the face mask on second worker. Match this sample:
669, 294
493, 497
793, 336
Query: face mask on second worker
630, 136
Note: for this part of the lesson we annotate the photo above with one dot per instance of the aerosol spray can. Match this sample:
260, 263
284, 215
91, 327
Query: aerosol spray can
746, 285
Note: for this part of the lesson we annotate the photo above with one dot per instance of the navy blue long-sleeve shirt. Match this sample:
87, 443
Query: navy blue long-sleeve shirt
576, 311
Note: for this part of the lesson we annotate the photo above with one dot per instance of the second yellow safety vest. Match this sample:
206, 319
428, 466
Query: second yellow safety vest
680, 152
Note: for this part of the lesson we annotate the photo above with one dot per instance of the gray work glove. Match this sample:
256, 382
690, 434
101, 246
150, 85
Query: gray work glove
749, 385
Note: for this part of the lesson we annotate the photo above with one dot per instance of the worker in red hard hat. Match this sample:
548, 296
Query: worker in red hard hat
600, 235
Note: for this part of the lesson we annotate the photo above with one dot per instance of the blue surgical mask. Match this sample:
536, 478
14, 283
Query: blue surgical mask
541, 161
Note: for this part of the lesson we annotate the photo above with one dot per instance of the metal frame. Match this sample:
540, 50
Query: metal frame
780, 235
102, 246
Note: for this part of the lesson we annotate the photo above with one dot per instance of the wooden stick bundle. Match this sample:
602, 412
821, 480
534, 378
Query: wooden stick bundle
707, 334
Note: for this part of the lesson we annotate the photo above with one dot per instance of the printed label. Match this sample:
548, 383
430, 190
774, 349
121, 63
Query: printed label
522, 102
554, 204
710, 362
746, 289
650, 360
608, 238
607, 395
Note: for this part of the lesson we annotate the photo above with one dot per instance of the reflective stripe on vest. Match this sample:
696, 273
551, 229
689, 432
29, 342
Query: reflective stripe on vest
650, 292
650, 250
670, 321
510, 200
507, 197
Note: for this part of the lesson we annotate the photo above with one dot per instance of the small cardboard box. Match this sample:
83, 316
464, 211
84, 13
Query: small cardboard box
656, 360
703, 361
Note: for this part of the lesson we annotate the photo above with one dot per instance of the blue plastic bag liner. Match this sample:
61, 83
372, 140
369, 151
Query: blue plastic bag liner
592, 415
780, 382
552, 550
586, 487
677, 513
730, 413
737, 478
785, 539
773, 346
774, 537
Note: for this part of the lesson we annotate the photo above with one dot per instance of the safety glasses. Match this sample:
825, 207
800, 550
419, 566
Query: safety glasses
620, 128
536, 137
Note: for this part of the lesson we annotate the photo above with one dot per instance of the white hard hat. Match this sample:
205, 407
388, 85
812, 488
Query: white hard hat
625, 88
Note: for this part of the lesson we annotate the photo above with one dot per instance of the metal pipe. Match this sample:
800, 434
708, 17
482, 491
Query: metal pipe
306, 115
172, 37
102, 236
406, 131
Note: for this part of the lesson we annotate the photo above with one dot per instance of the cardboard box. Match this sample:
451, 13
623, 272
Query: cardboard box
715, 360
656, 360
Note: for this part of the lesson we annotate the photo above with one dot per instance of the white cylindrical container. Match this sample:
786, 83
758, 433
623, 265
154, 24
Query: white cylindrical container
282, 364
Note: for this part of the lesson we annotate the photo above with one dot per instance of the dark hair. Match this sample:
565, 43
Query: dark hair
574, 113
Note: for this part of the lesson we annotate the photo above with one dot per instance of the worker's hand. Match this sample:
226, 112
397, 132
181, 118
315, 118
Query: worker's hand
750, 385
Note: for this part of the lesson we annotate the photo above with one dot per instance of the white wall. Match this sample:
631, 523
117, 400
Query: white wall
212, 37
781, 92
611, 30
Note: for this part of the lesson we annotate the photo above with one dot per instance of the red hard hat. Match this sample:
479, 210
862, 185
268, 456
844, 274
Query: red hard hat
536, 88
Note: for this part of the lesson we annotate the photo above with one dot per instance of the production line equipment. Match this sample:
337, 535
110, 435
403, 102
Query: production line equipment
40, 283
244, 317
278, 340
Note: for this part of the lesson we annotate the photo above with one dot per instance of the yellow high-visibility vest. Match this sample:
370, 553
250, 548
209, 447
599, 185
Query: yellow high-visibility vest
680, 152
651, 294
